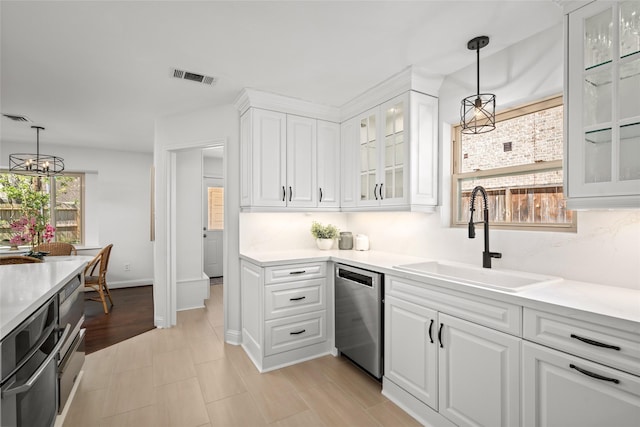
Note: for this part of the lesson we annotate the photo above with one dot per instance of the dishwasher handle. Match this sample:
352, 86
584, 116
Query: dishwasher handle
357, 276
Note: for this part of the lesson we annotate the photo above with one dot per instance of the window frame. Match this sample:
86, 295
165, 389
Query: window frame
457, 176
52, 199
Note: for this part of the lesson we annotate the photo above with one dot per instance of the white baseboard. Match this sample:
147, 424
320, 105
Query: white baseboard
130, 283
158, 322
233, 337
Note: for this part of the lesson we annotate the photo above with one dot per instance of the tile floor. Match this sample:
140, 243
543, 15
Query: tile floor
187, 376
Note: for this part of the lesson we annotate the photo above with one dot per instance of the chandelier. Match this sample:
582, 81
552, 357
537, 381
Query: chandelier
36, 164
478, 112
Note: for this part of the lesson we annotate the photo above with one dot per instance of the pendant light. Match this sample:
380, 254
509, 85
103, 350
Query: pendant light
478, 112
36, 164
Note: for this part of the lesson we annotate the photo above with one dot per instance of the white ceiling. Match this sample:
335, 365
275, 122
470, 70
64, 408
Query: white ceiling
98, 73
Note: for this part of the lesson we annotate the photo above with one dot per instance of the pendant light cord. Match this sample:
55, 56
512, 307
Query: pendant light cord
478, 69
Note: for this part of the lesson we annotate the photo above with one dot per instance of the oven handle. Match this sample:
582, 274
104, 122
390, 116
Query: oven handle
45, 336
36, 375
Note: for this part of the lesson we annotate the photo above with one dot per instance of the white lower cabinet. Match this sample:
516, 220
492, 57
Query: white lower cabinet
284, 313
561, 390
478, 375
467, 374
410, 351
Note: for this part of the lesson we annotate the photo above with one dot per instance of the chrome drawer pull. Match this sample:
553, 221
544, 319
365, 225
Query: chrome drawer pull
296, 299
298, 332
592, 375
298, 272
596, 343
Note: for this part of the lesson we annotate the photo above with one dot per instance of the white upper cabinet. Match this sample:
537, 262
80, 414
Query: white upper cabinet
383, 151
288, 162
349, 160
396, 151
328, 164
602, 106
301, 162
264, 158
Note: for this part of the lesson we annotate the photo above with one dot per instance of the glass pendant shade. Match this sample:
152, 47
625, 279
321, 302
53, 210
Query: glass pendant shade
478, 112
36, 164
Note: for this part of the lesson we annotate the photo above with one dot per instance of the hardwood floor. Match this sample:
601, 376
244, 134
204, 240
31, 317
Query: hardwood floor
131, 315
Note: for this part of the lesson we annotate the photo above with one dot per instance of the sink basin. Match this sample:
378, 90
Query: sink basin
504, 280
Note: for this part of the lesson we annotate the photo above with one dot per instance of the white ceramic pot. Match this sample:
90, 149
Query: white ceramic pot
361, 242
324, 244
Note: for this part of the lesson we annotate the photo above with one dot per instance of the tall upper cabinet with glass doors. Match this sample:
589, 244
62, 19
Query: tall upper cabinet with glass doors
382, 154
603, 105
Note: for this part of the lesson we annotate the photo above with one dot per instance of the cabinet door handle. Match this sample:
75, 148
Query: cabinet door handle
284, 194
381, 198
321, 194
298, 332
296, 299
298, 272
440, 335
596, 343
290, 193
594, 375
375, 191
430, 326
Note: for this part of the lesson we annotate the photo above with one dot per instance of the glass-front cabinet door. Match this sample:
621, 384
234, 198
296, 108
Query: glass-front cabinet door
603, 106
369, 159
394, 157
383, 154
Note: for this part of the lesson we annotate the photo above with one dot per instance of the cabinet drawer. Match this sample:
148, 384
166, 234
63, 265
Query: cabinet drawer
569, 391
292, 298
294, 332
494, 314
601, 343
289, 273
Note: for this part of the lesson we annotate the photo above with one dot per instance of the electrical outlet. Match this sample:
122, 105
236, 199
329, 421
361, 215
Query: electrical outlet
127, 267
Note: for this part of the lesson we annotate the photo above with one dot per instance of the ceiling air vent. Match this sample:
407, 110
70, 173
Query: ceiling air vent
194, 77
17, 118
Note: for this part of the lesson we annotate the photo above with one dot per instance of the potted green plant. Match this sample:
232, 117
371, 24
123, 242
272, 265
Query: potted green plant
324, 234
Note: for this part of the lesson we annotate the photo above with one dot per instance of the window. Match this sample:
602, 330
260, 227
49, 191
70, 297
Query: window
66, 194
216, 208
520, 166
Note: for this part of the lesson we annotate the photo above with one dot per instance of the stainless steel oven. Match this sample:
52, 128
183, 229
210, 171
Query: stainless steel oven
29, 380
71, 312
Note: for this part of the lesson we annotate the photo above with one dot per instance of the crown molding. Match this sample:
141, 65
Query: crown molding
411, 78
249, 98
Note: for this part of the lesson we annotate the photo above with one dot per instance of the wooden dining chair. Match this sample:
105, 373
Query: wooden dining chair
56, 249
18, 259
98, 282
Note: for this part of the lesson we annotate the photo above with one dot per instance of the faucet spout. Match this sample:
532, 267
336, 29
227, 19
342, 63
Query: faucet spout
487, 254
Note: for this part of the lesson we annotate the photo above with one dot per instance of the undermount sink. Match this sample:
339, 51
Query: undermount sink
504, 280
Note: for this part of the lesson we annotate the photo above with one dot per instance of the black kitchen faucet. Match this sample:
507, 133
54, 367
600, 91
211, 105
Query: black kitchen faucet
486, 255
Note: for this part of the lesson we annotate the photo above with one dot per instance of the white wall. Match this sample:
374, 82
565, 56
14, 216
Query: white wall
284, 231
605, 249
117, 206
187, 130
212, 167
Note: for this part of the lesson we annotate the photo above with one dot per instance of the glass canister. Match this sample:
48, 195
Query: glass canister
346, 240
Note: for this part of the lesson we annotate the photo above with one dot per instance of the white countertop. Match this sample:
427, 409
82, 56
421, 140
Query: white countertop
25, 287
570, 297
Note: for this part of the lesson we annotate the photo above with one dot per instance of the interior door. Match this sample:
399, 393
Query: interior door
214, 226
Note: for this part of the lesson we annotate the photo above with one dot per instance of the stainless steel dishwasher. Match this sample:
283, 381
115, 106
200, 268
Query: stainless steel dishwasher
358, 311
